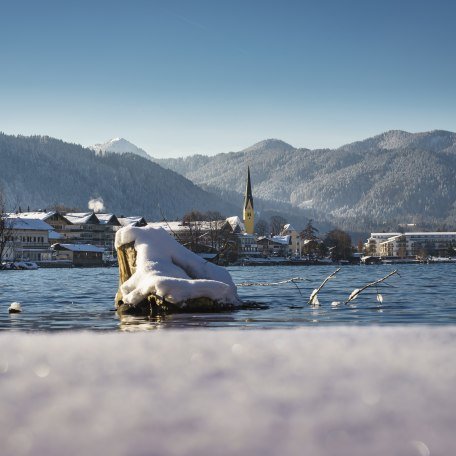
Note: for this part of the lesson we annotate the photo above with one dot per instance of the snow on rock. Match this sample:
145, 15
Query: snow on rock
166, 268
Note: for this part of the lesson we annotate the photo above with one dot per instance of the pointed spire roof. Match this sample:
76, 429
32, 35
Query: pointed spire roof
248, 190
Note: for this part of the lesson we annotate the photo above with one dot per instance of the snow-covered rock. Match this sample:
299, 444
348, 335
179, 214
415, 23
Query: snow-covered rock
167, 269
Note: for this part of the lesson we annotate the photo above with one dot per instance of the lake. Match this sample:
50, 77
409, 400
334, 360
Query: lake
83, 299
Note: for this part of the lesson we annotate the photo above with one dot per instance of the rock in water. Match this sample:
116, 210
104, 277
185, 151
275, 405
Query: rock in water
15, 307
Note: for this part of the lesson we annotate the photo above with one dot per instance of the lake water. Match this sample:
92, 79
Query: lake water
69, 299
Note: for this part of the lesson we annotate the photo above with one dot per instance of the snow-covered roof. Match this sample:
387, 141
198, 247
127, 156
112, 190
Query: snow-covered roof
170, 226
288, 227
133, 220
39, 215
79, 247
235, 222
81, 217
19, 223
106, 219
282, 239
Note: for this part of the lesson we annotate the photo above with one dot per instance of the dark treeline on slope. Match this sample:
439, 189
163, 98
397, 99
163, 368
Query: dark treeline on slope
39, 172
390, 179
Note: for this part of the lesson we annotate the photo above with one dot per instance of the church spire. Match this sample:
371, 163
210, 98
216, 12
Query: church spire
248, 214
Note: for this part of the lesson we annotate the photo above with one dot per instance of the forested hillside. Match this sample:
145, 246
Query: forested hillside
39, 171
395, 177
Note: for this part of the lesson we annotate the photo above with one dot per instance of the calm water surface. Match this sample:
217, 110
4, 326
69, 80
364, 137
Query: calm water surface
68, 299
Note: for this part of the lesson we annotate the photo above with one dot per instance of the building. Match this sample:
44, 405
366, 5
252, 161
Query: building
27, 240
275, 246
248, 212
81, 255
372, 246
419, 244
295, 237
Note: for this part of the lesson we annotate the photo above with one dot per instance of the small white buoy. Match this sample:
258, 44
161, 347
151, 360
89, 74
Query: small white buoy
15, 307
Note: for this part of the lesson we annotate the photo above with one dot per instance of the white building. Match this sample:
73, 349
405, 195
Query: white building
28, 239
418, 244
372, 246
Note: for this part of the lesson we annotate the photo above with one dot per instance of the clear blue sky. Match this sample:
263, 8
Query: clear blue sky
182, 77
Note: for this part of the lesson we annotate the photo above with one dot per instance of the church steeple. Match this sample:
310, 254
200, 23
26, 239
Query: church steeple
248, 214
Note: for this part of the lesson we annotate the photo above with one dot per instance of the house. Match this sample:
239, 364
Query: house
81, 255
296, 241
28, 239
276, 246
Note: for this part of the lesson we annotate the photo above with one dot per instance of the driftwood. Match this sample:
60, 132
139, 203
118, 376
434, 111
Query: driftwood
356, 292
313, 300
154, 304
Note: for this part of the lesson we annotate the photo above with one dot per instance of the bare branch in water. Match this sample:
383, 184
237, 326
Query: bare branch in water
357, 291
313, 297
268, 284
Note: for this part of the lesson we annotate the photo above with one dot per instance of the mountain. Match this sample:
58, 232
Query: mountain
395, 177
39, 171
119, 146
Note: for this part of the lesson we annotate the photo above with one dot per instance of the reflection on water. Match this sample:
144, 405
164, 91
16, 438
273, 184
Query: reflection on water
62, 299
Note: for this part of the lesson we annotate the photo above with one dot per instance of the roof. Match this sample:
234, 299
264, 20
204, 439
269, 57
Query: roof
19, 223
107, 219
78, 247
236, 222
248, 198
288, 227
78, 218
55, 235
134, 220
283, 240
38, 215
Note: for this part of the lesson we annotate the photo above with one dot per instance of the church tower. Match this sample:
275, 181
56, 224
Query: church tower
248, 206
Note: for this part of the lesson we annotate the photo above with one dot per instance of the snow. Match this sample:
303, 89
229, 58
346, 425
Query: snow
79, 247
285, 240
40, 215
132, 220
168, 269
18, 223
236, 222
319, 392
77, 218
105, 219
119, 146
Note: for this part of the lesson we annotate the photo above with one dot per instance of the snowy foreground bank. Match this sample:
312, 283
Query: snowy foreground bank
329, 391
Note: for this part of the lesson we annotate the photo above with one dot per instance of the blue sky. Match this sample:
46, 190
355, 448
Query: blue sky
183, 77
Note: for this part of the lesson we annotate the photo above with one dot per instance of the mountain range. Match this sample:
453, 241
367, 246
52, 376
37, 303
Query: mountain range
39, 172
395, 177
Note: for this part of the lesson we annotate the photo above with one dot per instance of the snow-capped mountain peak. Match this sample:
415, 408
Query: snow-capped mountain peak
119, 146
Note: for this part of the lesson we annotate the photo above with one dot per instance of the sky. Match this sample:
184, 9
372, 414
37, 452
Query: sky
196, 76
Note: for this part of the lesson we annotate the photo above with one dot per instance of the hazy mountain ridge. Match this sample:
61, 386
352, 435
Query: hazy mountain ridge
40, 171
392, 177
